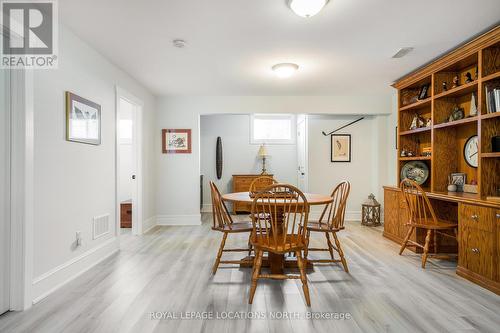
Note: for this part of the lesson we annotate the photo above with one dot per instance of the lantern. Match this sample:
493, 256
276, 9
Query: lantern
370, 212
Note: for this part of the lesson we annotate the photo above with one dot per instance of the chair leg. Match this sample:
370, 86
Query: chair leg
341, 253
426, 247
250, 247
435, 242
255, 275
219, 255
306, 250
330, 246
405, 241
303, 277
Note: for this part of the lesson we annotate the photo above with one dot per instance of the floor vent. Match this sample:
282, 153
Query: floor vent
100, 226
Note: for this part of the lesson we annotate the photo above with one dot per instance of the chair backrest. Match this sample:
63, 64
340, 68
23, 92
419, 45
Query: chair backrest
334, 213
419, 208
221, 217
260, 183
279, 211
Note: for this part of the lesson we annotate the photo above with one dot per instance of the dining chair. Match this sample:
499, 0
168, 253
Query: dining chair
331, 221
288, 208
261, 183
223, 222
421, 215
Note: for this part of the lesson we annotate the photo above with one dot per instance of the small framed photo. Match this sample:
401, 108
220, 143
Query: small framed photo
176, 141
83, 120
458, 179
341, 148
423, 92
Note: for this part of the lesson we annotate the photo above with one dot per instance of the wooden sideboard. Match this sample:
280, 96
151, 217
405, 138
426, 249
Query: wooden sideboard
126, 214
241, 183
478, 221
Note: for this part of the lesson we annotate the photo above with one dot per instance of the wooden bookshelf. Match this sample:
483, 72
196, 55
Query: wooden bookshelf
476, 66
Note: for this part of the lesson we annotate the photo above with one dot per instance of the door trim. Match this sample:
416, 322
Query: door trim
137, 200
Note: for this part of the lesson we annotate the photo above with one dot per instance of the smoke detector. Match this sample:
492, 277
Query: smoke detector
180, 43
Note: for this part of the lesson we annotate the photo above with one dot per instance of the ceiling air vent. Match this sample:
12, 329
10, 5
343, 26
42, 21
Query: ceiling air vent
402, 52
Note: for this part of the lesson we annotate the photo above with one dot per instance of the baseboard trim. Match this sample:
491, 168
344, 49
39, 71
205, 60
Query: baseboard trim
47, 283
178, 220
149, 224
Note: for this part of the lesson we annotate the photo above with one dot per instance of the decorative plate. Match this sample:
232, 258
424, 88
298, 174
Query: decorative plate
415, 170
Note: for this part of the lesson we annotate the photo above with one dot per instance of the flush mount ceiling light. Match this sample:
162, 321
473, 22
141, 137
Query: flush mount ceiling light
306, 8
285, 70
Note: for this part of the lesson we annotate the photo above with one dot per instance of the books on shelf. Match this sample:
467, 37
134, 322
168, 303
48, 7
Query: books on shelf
492, 97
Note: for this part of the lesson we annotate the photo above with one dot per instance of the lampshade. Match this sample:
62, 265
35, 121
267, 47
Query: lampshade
262, 151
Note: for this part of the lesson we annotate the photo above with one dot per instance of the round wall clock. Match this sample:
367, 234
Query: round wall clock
471, 151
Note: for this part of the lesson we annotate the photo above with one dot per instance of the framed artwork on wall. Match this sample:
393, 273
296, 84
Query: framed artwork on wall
176, 141
83, 120
341, 148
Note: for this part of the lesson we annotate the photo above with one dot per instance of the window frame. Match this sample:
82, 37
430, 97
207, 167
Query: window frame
293, 128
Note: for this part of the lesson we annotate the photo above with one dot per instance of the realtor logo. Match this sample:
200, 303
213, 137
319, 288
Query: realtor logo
29, 34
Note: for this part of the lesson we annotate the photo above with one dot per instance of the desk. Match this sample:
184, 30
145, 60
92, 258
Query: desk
478, 231
276, 262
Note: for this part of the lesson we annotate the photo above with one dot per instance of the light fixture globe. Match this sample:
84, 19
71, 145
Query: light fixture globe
285, 70
307, 8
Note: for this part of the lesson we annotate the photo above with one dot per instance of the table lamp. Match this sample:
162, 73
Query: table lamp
263, 154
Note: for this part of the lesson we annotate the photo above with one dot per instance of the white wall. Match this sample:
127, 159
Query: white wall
75, 182
239, 156
178, 175
367, 170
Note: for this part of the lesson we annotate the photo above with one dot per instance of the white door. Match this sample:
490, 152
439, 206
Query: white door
302, 152
4, 189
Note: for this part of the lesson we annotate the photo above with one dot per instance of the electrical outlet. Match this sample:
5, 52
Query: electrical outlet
79, 238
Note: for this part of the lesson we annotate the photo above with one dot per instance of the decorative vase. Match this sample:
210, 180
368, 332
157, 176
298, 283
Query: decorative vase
452, 188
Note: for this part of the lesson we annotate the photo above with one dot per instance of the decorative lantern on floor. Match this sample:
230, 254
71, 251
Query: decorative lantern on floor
370, 212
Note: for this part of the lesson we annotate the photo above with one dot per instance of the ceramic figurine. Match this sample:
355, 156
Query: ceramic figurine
429, 123
473, 106
445, 87
456, 82
456, 114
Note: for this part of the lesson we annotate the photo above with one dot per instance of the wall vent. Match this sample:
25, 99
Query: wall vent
402, 52
100, 226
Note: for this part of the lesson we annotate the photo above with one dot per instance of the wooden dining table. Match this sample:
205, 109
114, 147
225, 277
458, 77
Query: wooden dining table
276, 262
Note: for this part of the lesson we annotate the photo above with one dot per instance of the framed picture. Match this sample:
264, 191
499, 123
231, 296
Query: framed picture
341, 148
176, 141
83, 120
423, 92
458, 179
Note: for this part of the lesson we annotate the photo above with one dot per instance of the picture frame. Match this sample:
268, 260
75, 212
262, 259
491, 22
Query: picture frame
459, 179
83, 120
340, 148
423, 92
176, 141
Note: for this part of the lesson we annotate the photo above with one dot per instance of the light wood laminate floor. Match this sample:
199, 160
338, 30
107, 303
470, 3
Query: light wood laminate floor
169, 270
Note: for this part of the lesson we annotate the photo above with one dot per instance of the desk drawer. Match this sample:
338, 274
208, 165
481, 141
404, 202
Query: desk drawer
481, 218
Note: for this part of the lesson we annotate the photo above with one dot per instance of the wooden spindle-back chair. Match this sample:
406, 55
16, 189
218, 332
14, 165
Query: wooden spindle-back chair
261, 183
421, 215
331, 221
278, 212
223, 222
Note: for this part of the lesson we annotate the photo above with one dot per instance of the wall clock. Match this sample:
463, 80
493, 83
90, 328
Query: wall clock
471, 151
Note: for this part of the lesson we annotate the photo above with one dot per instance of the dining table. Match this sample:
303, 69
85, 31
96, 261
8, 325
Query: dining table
276, 262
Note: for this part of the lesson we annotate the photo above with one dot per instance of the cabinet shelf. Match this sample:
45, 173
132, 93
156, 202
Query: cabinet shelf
417, 105
415, 158
457, 122
459, 91
490, 115
491, 77
417, 130
490, 155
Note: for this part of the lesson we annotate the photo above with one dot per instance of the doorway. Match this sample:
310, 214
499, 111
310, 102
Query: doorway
302, 156
5, 191
129, 164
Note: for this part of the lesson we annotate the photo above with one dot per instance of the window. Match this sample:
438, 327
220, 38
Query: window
272, 128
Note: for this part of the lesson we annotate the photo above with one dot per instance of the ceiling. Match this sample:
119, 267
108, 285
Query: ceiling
232, 44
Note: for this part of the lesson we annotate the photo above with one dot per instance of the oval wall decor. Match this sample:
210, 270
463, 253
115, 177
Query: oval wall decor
218, 158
